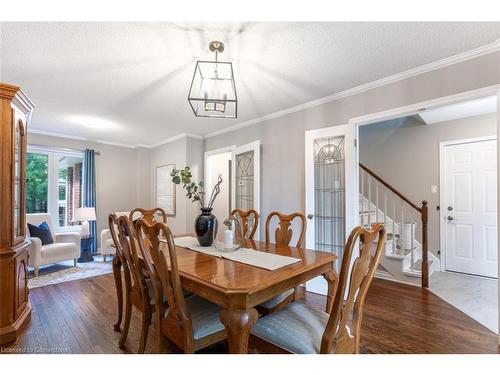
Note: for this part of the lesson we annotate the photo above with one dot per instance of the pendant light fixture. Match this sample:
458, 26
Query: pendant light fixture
213, 92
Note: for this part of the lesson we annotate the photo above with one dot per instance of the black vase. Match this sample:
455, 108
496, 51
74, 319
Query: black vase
204, 227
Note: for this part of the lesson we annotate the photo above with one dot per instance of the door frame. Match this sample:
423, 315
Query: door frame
442, 195
206, 167
413, 109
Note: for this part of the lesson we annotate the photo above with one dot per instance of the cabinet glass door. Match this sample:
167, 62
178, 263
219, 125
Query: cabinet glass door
17, 173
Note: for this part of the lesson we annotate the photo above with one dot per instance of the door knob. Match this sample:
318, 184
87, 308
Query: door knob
450, 218
310, 216
450, 208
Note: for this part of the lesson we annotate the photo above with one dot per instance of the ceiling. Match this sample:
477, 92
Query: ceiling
128, 83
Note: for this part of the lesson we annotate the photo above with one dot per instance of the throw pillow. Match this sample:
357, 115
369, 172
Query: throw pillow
41, 231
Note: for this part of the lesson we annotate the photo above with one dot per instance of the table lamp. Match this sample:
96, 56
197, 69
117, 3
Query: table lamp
85, 214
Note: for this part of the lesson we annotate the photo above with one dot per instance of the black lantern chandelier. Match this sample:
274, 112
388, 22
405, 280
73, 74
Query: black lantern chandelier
212, 92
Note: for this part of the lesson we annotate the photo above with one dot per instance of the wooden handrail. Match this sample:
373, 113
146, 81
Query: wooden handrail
389, 186
423, 216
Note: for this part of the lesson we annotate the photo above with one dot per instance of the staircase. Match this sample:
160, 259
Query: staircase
406, 257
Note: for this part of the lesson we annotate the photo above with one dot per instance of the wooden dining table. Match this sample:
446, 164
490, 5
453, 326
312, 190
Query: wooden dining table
237, 287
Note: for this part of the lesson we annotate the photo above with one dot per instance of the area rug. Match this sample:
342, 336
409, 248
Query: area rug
65, 271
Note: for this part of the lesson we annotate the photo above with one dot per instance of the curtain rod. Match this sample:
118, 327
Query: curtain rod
61, 149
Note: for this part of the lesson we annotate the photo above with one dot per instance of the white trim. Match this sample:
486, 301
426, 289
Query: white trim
413, 109
498, 208
174, 138
442, 195
384, 275
207, 168
461, 57
62, 135
138, 145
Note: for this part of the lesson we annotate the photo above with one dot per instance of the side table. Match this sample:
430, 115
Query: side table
85, 255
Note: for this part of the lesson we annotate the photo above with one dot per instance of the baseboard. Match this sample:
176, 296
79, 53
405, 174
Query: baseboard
384, 275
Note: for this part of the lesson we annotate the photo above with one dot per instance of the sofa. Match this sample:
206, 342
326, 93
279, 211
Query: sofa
66, 245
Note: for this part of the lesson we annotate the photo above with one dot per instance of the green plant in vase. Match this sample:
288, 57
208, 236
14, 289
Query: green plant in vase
204, 225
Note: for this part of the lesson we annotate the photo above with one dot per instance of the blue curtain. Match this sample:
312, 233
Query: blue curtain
89, 192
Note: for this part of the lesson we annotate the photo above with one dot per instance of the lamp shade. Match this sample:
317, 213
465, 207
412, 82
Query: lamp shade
85, 214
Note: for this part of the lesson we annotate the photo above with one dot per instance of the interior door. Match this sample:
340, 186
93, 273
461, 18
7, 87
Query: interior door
331, 165
470, 207
246, 177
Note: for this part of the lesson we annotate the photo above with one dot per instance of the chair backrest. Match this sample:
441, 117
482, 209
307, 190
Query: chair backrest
37, 219
249, 221
158, 250
127, 250
342, 332
148, 214
283, 234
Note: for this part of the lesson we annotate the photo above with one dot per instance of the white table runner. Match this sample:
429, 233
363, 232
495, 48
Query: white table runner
244, 255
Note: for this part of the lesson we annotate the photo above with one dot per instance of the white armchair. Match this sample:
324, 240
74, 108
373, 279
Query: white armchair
107, 247
66, 245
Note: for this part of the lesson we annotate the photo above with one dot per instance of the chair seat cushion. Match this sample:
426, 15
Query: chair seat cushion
297, 328
58, 251
273, 302
204, 315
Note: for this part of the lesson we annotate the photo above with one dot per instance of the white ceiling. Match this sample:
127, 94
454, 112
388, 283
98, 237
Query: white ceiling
128, 82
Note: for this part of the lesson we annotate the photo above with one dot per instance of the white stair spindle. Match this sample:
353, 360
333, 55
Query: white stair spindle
394, 225
369, 200
376, 200
362, 197
412, 232
385, 206
402, 229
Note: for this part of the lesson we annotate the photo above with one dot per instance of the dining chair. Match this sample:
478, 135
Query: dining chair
282, 237
191, 323
301, 328
249, 220
136, 285
148, 214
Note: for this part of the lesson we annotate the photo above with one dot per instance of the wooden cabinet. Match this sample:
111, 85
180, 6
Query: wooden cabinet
15, 309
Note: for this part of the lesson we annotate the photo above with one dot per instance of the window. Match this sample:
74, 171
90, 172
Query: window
54, 183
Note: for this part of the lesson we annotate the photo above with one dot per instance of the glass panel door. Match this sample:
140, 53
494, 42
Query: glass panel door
329, 194
246, 179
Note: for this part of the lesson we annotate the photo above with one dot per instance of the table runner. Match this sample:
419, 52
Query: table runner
244, 255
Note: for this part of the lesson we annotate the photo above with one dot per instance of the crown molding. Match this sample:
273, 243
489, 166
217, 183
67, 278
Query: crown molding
461, 57
62, 135
138, 145
175, 138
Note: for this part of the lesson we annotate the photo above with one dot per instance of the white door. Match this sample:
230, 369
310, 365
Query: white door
331, 164
469, 209
246, 177
218, 163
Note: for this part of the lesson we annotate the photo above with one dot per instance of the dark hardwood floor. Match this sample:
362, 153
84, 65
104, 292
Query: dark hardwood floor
78, 317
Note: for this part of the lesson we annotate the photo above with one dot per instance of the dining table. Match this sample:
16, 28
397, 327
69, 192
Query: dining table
238, 287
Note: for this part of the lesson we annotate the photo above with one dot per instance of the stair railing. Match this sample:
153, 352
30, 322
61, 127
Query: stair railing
377, 191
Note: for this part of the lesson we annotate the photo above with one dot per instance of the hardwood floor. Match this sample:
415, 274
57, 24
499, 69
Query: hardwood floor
78, 317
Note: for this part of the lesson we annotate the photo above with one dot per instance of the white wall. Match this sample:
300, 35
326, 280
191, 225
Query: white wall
183, 152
